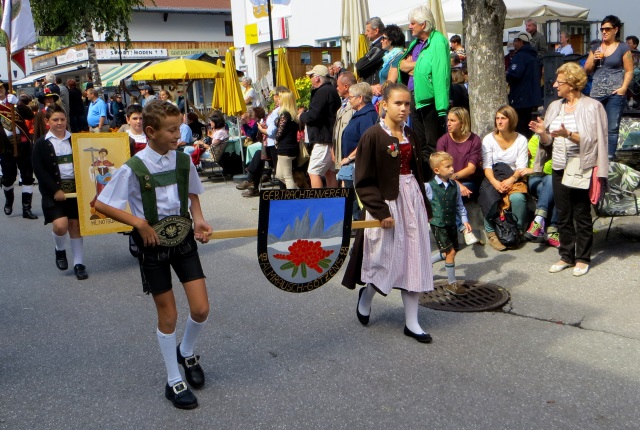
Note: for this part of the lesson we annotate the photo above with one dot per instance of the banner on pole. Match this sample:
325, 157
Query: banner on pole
96, 156
303, 236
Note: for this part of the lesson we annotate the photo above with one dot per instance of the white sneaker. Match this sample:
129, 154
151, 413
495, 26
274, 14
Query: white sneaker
470, 238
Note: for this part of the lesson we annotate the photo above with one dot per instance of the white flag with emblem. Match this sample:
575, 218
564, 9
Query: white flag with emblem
17, 22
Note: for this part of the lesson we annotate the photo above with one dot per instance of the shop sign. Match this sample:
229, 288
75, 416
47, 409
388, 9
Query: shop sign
113, 54
44, 63
72, 56
187, 52
259, 31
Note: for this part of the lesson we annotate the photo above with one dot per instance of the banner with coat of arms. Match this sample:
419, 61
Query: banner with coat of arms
303, 236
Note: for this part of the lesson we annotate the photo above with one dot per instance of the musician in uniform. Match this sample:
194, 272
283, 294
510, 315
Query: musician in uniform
15, 139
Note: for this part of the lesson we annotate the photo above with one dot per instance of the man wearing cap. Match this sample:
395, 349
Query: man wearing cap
147, 94
97, 113
48, 83
320, 119
523, 76
10, 137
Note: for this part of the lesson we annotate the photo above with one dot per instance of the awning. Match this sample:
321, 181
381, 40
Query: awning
113, 77
35, 76
517, 11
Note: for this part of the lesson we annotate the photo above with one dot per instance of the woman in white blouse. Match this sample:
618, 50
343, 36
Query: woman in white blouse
504, 160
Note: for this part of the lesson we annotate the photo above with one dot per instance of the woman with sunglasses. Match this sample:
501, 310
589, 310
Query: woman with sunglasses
613, 65
393, 43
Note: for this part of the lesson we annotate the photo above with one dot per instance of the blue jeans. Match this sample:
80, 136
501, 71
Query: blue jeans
614, 105
541, 187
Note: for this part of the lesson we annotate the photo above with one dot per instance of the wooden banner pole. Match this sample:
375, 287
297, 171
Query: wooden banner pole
250, 232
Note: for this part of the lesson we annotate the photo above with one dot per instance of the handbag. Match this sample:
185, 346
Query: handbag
346, 172
506, 229
303, 155
574, 176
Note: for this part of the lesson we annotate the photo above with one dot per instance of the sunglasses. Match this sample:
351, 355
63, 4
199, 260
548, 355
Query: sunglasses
603, 29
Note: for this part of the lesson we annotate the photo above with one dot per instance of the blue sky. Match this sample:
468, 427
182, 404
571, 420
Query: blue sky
284, 212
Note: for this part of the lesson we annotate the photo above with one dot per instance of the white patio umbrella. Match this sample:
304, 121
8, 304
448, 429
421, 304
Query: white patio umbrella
355, 14
517, 11
438, 15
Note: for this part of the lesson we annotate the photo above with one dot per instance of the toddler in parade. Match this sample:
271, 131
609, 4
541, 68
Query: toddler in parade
446, 201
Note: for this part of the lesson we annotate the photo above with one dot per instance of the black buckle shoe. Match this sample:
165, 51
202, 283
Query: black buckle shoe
80, 271
364, 319
192, 370
61, 260
422, 338
181, 396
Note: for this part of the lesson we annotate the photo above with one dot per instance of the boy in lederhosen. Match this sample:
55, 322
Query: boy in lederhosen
161, 186
54, 180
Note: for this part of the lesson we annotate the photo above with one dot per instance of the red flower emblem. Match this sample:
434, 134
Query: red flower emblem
303, 254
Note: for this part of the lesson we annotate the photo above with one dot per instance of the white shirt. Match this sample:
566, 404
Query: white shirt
62, 147
138, 138
516, 156
124, 186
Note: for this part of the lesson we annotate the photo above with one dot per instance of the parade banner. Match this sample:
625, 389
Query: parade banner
96, 156
303, 236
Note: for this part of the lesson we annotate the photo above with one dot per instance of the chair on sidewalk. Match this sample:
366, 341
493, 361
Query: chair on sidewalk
213, 162
623, 196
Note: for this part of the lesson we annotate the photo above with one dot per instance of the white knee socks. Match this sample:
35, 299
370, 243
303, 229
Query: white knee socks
191, 332
410, 301
168, 348
60, 241
76, 248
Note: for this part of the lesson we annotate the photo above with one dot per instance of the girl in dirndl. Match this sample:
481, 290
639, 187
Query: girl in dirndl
389, 183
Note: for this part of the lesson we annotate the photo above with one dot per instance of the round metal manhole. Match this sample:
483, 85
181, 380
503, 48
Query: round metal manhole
480, 297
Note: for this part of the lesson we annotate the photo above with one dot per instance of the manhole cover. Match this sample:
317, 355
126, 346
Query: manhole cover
481, 297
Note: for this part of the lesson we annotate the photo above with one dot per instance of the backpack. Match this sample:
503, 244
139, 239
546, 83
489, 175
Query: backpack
370, 63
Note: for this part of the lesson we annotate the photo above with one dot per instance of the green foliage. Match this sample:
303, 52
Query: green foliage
303, 85
52, 43
111, 17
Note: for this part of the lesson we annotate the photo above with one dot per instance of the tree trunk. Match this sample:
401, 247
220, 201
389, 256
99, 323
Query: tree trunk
93, 58
483, 22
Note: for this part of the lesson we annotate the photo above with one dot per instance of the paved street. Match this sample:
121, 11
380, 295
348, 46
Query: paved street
564, 353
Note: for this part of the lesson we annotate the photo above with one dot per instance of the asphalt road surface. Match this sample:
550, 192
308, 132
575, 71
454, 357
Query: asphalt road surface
564, 353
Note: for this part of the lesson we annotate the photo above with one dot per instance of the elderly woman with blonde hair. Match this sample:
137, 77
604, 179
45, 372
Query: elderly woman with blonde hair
573, 135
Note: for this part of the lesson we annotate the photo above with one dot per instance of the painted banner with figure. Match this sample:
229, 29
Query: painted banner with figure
303, 236
96, 156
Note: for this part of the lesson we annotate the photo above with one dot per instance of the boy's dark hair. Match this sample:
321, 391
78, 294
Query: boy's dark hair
157, 110
192, 116
55, 108
131, 109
